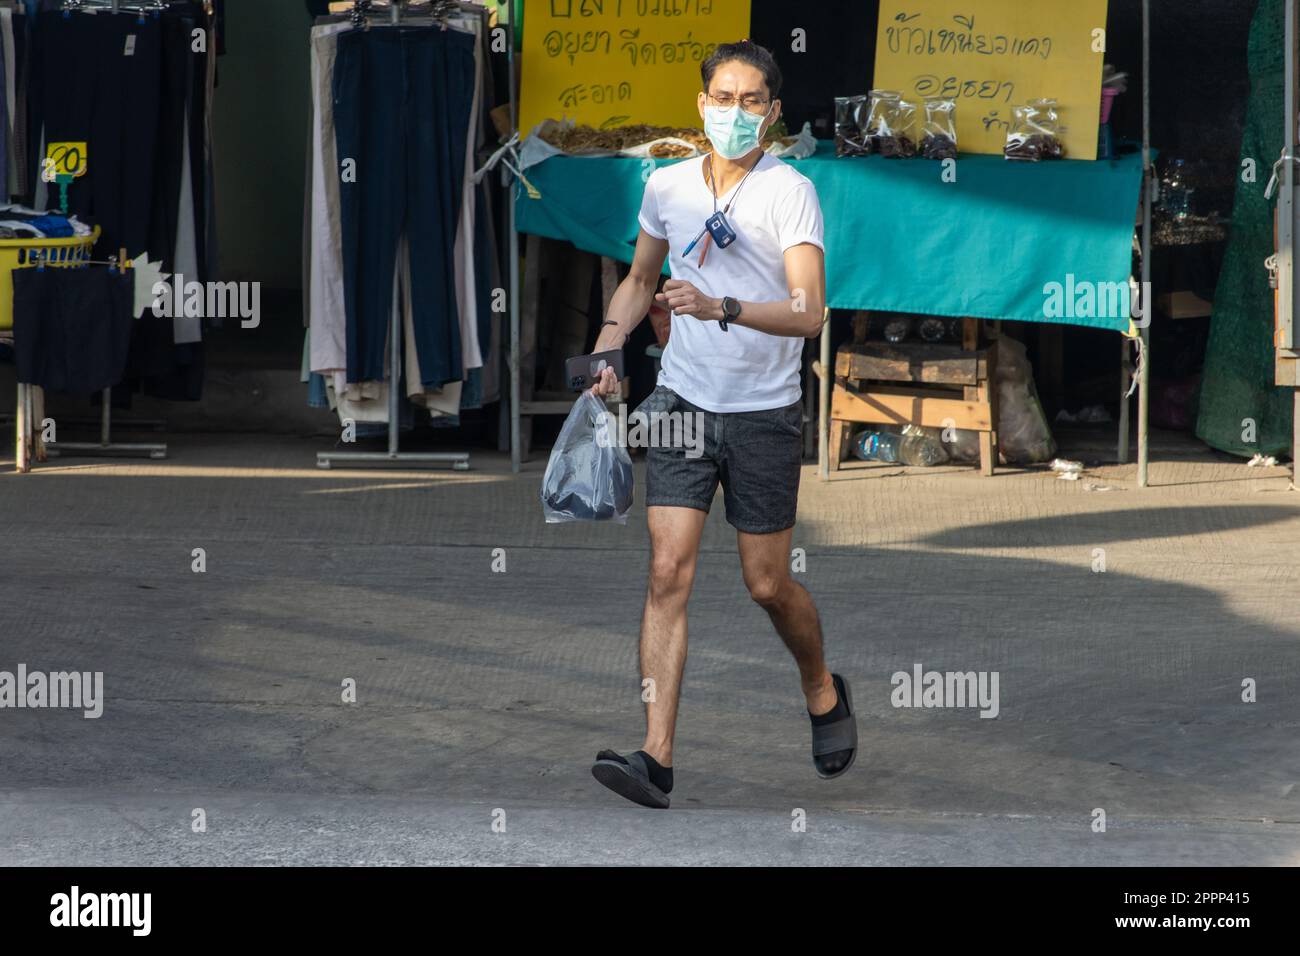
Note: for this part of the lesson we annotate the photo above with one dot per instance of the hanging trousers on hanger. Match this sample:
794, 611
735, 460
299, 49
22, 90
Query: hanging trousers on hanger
72, 327
402, 102
99, 85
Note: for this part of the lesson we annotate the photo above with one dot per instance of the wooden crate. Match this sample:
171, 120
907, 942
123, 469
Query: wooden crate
915, 383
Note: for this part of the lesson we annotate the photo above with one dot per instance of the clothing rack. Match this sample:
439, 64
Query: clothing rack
31, 406
31, 398
514, 358
140, 7
361, 11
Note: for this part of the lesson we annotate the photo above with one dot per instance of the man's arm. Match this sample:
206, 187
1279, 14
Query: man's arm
631, 302
635, 294
798, 316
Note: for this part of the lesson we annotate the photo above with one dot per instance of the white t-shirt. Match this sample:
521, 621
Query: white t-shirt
741, 369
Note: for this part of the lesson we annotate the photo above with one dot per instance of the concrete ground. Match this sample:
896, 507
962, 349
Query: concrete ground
482, 696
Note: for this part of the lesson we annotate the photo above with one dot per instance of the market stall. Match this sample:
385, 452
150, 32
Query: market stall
901, 236
974, 247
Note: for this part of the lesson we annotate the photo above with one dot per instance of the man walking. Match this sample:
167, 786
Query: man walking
743, 235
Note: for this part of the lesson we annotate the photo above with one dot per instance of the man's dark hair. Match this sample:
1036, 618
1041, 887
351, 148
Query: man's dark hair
759, 57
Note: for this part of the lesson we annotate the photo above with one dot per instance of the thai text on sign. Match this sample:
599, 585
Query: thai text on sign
611, 63
993, 55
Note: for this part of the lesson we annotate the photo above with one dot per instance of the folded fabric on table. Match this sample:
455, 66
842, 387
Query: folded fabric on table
72, 327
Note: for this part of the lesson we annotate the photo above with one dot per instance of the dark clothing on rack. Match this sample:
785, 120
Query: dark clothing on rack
181, 117
134, 89
182, 379
173, 97
4, 124
72, 327
402, 101
99, 85
200, 174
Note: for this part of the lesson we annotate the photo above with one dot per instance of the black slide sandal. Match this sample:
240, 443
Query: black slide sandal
628, 777
841, 735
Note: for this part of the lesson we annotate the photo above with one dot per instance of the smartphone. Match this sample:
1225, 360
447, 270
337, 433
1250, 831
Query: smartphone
582, 371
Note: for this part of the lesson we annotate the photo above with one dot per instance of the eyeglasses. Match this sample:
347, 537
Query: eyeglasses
749, 103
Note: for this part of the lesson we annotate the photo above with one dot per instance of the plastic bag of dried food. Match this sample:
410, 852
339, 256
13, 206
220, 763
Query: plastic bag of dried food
881, 109
850, 139
901, 141
939, 129
589, 475
1035, 132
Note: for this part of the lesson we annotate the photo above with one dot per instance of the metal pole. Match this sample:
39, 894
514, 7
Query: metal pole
394, 374
106, 417
1144, 333
513, 249
22, 462
1287, 290
1125, 380
1288, 304
106, 445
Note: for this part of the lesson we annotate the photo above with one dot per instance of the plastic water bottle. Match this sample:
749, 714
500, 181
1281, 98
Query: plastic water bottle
920, 448
897, 329
933, 329
876, 446
915, 446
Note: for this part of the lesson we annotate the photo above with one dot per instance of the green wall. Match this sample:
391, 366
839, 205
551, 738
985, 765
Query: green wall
260, 123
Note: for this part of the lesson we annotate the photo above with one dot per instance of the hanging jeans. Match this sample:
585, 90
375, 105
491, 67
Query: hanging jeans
402, 101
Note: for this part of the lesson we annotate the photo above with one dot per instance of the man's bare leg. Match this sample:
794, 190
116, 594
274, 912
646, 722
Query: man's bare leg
765, 563
674, 547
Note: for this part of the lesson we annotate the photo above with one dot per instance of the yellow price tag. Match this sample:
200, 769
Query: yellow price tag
64, 159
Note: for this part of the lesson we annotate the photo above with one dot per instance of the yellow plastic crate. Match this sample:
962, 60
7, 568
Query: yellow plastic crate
24, 253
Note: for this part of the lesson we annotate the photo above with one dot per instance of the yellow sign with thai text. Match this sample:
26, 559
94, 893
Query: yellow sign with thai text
993, 55
608, 63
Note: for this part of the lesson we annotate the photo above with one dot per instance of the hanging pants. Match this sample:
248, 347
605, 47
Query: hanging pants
72, 327
98, 84
402, 101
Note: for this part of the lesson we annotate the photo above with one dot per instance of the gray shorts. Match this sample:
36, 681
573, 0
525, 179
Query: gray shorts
755, 456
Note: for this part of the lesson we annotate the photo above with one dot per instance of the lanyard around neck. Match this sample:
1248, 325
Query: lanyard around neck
713, 186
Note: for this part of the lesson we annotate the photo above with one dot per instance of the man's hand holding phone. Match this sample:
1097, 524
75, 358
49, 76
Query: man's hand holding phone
611, 338
607, 385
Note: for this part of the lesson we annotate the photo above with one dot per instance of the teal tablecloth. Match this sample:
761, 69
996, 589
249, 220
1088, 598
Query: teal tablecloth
898, 238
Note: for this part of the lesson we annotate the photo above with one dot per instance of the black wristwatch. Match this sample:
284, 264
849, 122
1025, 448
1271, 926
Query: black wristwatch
730, 311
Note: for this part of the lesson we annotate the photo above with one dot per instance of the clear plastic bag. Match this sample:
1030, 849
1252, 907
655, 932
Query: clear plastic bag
1035, 132
900, 141
589, 475
939, 132
879, 125
850, 137
1024, 436
923, 446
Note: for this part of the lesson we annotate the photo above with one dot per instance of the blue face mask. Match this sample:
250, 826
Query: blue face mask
732, 132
